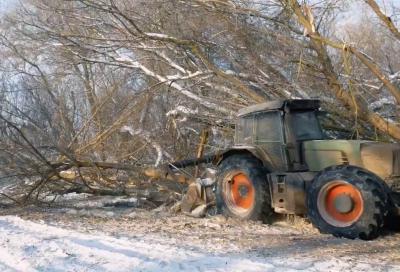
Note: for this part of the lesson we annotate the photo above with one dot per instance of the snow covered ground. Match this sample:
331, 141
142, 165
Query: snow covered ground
26, 245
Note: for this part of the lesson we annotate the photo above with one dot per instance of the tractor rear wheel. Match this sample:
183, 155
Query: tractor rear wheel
242, 188
348, 201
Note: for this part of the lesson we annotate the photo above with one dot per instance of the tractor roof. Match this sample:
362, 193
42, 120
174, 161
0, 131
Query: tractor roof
290, 104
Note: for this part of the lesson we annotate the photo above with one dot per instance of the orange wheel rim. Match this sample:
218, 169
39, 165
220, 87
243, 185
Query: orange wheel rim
340, 203
242, 191
239, 193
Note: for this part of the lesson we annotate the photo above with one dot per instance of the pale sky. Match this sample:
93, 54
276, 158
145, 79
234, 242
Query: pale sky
6, 4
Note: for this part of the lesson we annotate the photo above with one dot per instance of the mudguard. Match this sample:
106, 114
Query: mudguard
257, 152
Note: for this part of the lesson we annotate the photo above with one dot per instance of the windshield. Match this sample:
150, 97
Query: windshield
306, 126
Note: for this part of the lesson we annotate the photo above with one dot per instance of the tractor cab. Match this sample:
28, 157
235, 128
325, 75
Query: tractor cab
278, 129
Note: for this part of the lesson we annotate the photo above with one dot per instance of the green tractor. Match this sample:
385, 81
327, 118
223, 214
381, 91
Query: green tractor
282, 163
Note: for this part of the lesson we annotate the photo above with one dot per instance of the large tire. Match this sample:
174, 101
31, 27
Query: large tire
242, 189
348, 201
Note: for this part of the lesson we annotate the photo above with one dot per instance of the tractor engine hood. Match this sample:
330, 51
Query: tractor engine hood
383, 159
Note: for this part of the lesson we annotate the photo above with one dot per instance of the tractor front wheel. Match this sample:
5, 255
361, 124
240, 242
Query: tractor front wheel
348, 201
242, 189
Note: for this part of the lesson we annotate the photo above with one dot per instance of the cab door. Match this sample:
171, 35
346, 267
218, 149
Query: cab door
269, 136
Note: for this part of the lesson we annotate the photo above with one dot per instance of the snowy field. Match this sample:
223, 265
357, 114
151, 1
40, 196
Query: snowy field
26, 245
80, 232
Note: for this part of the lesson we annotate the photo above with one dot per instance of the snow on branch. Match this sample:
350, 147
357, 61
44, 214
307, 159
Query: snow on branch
146, 136
182, 110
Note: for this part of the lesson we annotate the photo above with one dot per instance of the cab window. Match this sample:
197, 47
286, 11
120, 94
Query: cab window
306, 126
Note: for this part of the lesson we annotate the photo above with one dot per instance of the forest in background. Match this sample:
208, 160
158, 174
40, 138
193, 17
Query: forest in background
90, 85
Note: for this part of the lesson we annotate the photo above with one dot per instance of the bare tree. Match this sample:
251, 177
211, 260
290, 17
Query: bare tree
96, 87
